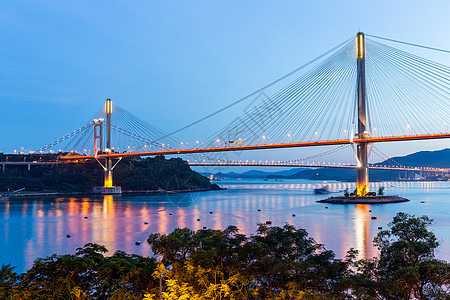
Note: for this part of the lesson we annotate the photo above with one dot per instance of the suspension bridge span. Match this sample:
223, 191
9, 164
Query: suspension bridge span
359, 93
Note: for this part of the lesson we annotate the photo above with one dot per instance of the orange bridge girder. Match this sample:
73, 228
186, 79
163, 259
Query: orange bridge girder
261, 147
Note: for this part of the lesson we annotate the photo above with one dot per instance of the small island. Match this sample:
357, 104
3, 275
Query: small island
364, 200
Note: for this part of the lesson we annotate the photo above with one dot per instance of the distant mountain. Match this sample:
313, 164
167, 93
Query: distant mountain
255, 173
438, 159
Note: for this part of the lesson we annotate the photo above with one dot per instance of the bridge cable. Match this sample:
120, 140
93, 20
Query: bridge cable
259, 90
407, 43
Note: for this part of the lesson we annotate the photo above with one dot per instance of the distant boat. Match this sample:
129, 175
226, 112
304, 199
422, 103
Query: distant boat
322, 190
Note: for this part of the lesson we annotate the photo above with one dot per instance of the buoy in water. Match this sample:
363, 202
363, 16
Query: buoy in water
170, 214
259, 210
68, 236
210, 212
422, 201
198, 219
370, 210
293, 215
326, 207
145, 223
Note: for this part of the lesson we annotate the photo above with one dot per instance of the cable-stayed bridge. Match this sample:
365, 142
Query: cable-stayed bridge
357, 94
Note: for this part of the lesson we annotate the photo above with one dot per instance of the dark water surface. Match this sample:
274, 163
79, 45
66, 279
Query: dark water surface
37, 227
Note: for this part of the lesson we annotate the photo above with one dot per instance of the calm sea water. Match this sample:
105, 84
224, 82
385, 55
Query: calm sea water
37, 227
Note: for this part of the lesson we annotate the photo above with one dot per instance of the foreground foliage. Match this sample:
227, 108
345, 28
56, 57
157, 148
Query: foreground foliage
274, 263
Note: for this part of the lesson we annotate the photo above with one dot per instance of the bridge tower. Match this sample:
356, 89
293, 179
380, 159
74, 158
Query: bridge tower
98, 135
108, 172
108, 187
362, 171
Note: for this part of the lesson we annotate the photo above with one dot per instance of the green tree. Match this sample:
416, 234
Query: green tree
275, 262
125, 276
8, 279
55, 277
406, 267
287, 259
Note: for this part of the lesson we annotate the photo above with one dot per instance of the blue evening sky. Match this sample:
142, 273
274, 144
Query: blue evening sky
172, 62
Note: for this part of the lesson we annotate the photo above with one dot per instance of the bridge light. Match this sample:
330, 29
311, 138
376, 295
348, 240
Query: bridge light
360, 46
108, 106
108, 182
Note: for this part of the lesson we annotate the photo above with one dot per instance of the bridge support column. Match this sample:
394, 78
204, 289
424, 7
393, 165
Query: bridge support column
362, 171
108, 187
98, 135
108, 172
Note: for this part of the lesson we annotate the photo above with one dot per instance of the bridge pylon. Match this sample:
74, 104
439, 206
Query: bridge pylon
108, 187
362, 171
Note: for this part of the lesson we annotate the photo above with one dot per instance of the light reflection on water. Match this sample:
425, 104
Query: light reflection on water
36, 227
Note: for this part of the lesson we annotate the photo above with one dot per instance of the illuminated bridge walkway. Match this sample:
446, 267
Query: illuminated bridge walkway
361, 92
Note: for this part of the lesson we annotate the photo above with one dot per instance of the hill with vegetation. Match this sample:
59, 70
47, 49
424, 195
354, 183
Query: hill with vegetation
138, 174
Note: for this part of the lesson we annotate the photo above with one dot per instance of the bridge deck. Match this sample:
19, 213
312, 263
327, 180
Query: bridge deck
267, 146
